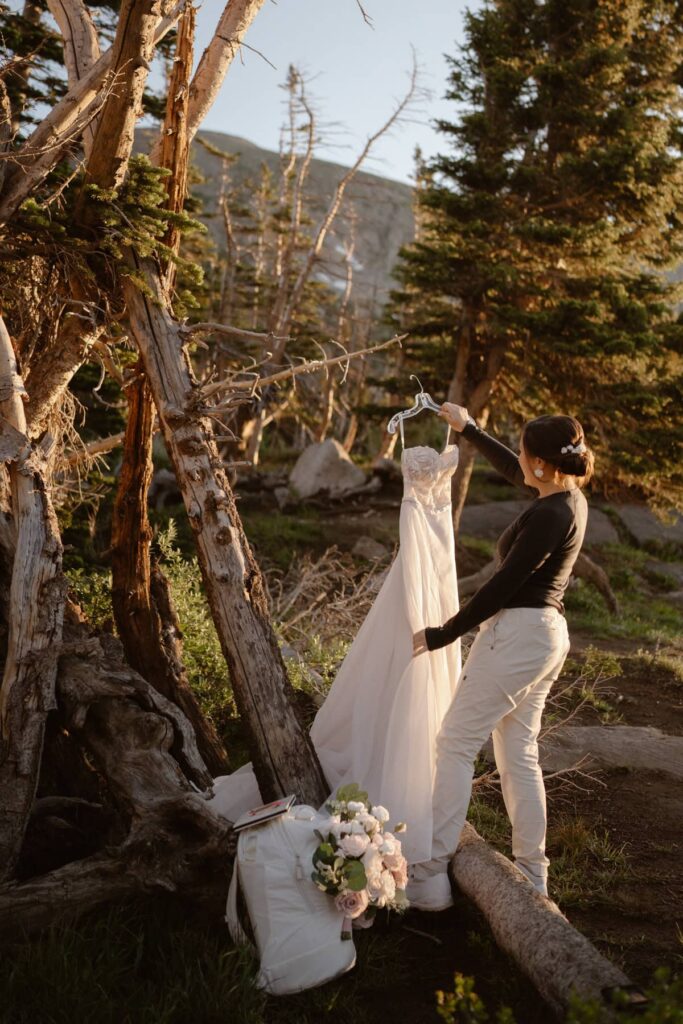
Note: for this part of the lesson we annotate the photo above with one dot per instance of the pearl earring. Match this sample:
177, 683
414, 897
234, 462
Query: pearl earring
539, 473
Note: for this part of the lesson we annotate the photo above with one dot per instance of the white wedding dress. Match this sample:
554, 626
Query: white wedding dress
379, 722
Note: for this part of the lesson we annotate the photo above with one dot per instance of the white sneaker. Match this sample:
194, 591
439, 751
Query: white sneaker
432, 892
539, 882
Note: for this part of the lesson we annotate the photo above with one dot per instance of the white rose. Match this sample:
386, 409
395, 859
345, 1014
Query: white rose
389, 845
377, 839
375, 888
356, 827
334, 827
368, 821
355, 845
355, 806
381, 813
388, 885
372, 862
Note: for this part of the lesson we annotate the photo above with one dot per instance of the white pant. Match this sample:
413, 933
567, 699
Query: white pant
517, 655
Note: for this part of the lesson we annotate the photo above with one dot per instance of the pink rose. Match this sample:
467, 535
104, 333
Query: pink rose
352, 904
400, 874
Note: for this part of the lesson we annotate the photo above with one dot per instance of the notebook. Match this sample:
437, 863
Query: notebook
257, 815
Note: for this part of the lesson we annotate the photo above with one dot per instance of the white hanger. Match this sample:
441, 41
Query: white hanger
423, 400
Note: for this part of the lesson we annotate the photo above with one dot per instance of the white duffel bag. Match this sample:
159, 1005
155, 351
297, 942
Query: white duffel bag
296, 927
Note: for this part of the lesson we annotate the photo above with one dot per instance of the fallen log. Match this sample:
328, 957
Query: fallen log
558, 959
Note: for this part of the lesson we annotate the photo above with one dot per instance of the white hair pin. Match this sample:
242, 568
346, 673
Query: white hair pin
575, 449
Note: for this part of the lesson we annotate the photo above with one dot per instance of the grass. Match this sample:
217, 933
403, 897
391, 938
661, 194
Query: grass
590, 675
141, 963
159, 961
585, 862
645, 615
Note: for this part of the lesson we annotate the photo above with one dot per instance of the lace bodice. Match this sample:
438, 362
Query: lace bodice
427, 475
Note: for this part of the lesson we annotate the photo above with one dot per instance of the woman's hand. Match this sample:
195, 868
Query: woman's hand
455, 415
419, 643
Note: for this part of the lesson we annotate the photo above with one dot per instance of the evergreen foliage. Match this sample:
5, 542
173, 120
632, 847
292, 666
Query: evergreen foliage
537, 281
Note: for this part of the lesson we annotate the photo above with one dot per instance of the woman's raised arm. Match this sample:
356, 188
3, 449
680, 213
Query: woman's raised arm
499, 455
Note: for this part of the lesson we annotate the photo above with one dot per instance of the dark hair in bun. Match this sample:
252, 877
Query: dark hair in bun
546, 436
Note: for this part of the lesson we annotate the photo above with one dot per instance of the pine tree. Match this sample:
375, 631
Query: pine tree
537, 279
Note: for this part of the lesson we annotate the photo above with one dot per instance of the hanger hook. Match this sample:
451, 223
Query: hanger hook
418, 381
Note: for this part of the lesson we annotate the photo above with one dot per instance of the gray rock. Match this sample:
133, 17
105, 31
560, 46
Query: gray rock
325, 466
283, 497
645, 527
615, 746
674, 570
368, 547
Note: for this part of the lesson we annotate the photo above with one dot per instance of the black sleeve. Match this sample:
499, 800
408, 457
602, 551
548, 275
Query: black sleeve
544, 529
499, 455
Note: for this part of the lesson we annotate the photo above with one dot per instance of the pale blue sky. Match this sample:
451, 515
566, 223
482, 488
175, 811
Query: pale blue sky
358, 72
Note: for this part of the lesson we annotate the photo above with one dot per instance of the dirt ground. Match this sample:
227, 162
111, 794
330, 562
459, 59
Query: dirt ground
639, 924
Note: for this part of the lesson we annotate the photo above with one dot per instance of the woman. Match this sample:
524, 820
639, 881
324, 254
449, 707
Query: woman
519, 650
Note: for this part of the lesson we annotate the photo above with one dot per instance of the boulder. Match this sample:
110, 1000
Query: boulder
645, 527
614, 746
607, 746
325, 466
368, 547
673, 570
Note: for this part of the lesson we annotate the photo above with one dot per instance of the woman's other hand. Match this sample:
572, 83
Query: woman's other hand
419, 643
455, 415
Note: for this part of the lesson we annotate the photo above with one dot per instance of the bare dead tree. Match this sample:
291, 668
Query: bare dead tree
35, 612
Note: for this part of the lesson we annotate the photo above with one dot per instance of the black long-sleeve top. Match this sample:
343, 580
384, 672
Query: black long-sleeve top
534, 555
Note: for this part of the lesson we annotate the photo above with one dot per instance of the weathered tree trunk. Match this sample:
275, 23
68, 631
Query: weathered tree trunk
36, 608
531, 928
586, 569
175, 147
5, 129
469, 584
143, 609
133, 48
283, 755
51, 370
138, 740
109, 151
67, 120
81, 47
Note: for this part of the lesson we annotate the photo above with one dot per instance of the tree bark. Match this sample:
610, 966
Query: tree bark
64, 125
586, 569
51, 370
36, 608
175, 145
283, 755
530, 927
132, 52
143, 609
81, 47
217, 58
138, 741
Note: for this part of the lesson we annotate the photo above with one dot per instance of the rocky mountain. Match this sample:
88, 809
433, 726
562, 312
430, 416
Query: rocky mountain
380, 207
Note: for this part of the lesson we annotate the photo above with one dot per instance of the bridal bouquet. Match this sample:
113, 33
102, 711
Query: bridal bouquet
358, 861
